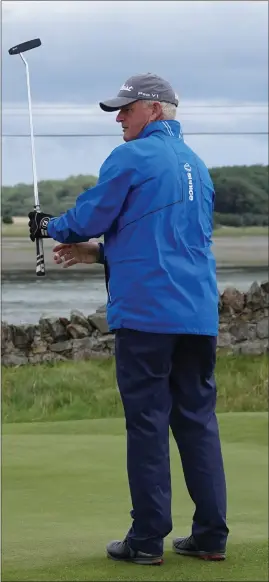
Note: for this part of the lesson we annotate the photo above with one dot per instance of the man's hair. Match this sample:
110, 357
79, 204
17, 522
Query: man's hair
169, 109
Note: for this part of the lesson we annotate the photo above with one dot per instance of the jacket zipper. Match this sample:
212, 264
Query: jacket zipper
108, 293
107, 279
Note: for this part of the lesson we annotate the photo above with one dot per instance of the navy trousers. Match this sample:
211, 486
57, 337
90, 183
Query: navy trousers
167, 381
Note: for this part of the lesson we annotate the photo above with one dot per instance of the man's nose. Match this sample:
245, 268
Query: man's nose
120, 117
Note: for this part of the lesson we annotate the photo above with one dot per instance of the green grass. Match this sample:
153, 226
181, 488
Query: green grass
65, 495
21, 230
237, 231
88, 389
15, 230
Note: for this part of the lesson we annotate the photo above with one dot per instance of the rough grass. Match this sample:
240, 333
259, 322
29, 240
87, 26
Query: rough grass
65, 495
88, 389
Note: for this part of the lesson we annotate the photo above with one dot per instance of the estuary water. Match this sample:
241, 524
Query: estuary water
25, 298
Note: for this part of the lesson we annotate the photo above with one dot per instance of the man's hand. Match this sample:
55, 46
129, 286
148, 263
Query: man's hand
69, 255
38, 224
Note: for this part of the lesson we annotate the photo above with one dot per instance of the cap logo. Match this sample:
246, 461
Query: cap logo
147, 94
126, 88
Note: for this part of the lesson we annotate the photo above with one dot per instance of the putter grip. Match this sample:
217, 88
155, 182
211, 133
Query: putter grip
40, 262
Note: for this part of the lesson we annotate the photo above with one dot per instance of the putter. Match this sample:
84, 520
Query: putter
18, 50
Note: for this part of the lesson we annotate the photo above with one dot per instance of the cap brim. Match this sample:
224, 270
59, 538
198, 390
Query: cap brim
117, 103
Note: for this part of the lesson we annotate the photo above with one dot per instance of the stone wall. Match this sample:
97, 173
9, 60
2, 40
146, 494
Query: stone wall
243, 329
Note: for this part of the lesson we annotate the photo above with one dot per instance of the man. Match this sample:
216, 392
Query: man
154, 204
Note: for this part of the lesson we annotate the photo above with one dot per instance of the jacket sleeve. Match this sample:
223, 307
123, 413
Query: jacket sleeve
96, 208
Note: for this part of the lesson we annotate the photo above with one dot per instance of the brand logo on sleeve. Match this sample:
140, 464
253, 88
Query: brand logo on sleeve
187, 168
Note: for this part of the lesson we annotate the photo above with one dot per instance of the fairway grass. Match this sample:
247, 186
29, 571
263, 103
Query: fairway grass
65, 495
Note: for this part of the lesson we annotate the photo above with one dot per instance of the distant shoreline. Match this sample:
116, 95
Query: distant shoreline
18, 255
97, 272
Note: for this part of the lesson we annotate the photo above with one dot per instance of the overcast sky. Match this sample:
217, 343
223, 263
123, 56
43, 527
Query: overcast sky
213, 53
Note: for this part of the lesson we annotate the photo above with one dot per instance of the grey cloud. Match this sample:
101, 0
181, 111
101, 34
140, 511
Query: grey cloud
58, 157
211, 52
205, 49
66, 118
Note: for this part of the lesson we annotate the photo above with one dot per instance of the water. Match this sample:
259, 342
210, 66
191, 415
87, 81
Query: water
25, 298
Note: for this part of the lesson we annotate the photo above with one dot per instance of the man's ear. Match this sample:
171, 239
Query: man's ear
157, 112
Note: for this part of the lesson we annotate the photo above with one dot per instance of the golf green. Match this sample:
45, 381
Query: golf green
65, 495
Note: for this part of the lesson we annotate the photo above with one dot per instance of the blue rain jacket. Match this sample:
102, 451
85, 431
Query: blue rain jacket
153, 203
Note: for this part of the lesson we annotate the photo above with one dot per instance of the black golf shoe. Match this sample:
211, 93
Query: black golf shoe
188, 547
121, 551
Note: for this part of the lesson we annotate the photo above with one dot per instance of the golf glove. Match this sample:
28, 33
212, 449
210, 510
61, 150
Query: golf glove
38, 224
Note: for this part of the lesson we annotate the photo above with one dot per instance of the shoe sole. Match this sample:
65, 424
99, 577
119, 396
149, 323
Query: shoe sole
140, 561
202, 555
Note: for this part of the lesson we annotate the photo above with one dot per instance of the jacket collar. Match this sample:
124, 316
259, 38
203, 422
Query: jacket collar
170, 127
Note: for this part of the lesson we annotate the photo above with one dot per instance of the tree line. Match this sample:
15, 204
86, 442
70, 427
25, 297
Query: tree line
241, 195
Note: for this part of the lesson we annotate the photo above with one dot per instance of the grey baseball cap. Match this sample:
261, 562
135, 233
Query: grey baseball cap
141, 87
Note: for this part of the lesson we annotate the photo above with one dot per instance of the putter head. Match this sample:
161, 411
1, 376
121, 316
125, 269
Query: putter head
25, 46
